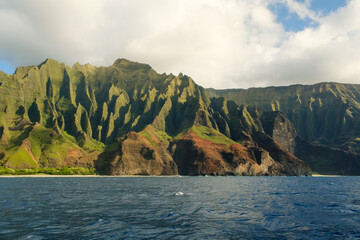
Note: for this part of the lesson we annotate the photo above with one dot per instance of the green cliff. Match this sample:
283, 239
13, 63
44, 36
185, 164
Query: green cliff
327, 114
127, 119
324, 119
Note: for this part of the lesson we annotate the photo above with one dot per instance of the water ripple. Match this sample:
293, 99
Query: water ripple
180, 208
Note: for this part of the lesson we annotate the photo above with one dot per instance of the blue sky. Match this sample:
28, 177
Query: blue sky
6, 67
219, 43
326, 6
293, 23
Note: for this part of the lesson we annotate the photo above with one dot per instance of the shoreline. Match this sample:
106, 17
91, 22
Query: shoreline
107, 176
323, 175
49, 175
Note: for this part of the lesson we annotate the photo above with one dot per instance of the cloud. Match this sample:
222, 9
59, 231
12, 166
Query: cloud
220, 43
329, 52
302, 9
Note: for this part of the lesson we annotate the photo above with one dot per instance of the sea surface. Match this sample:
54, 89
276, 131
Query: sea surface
180, 208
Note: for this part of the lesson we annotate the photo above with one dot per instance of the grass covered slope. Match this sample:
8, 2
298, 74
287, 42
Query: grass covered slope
39, 147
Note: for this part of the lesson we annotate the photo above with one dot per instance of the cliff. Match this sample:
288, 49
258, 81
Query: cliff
128, 119
321, 159
326, 114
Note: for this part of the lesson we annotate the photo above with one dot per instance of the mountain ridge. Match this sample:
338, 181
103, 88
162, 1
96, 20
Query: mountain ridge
128, 119
325, 116
325, 113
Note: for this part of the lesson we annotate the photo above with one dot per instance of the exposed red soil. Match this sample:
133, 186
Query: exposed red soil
197, 156
136, 155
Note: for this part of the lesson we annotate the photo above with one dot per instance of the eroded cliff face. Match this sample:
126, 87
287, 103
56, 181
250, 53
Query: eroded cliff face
290, 164
321, 159
196, 156
280, 128
193, 155
327, 160
326, 114
127, 119
138, 155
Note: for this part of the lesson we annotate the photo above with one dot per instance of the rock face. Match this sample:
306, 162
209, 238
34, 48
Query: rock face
136, 155
326, 117
128, 119
280, 128
321, 159
196, 156
290, 164
327, 160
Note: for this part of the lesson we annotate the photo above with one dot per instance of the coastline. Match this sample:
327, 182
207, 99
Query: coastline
48, 175
107, 176
322, 175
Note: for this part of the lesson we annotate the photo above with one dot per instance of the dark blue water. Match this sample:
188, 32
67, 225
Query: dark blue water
153, 207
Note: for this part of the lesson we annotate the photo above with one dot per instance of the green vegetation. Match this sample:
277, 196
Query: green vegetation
211, 135
53, 115
93, 145
21, 159
51, 171
325, 113
69, 137
48, 144
152, 134
162, 135
148, 136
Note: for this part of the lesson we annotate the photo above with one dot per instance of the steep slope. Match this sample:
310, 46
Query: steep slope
142, 117
197, 155
143, 153
34, 146
322, 159
326, 113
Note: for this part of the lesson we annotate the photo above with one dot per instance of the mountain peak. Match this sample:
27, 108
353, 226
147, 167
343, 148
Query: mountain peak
48, 61
122, 62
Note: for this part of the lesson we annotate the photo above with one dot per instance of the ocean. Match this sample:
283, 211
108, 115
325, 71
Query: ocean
180, 208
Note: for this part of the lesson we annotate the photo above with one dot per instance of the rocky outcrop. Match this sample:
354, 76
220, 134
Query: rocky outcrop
196, 156
327, 160
321, 159
138, 155
146, 153
290, 164
79, 158
279, 127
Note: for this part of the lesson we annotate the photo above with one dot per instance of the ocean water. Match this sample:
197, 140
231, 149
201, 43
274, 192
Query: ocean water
180, 208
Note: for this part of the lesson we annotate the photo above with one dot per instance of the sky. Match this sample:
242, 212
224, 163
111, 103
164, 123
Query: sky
219, 43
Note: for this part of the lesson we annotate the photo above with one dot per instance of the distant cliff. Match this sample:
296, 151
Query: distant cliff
326, 116
324, 113
322, 159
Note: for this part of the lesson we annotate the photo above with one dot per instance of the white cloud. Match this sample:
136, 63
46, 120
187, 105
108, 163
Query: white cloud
330, 52
220, 43
302, 9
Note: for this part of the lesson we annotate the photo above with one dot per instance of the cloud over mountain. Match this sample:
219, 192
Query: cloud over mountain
221, 44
